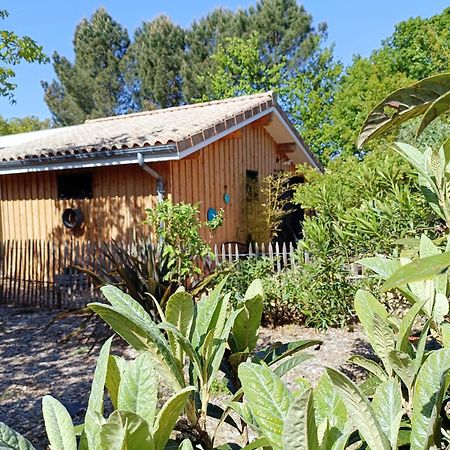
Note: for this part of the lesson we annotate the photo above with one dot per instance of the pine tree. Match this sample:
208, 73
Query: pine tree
155, 64
286, 32
94, 85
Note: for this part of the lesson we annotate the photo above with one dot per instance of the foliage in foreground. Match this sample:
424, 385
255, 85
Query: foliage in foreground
401, 404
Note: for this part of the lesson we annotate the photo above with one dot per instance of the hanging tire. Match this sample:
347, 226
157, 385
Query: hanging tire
72, 218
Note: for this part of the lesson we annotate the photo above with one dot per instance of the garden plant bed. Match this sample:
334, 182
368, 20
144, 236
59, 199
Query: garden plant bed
34, 362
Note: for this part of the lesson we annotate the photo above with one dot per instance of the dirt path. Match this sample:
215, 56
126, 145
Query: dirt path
34, 362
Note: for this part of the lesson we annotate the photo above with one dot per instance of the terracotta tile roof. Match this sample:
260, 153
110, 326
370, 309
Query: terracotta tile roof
182, 126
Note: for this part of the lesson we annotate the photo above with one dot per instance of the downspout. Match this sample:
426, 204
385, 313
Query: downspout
155, 175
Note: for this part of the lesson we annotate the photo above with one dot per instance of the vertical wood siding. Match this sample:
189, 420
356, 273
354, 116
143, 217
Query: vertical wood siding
202, 178
30, 208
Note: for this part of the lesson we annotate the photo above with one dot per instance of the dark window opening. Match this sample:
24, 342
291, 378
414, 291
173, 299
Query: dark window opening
251, 185
74, 186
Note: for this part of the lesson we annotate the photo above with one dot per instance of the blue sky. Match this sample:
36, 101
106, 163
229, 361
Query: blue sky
356, 27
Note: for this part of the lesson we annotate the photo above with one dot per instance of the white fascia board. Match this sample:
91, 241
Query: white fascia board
296, 139
222, 134
246, 122
87, 164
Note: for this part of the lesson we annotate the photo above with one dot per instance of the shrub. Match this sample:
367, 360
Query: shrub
240, 274
318, 294
177, 227
363, 207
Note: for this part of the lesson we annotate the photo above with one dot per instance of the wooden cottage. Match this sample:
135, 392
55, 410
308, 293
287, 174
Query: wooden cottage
92, 182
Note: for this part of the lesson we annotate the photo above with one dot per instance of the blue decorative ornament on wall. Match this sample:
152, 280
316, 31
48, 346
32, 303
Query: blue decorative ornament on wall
226, 196
211, 214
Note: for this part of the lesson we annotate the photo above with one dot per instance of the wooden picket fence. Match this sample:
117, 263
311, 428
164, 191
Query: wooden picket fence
280, 254
43, 274
37, 273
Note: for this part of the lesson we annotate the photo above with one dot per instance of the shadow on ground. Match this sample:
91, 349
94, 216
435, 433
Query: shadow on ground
34, 362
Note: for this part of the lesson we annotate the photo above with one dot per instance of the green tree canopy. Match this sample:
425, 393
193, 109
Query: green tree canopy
419, 47
94, 85
239, 68
285, 30
22, 125
15, 49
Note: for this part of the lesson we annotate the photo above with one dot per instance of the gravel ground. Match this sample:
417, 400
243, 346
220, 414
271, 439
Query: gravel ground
34, 362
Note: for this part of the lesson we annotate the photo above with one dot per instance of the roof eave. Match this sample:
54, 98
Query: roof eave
89, 160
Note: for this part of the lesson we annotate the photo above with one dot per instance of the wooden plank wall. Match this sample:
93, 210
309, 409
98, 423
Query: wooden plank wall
30, 208
202, 177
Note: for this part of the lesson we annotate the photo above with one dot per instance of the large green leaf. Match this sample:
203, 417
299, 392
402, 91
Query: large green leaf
246, 325
445, 332
387, 406
429, 389
300, 430
328, 404
440, 106
430, 194
168, 416
186, 445
130, 309
384, 341
254, 290
360, 411
11, 440
381, 266
406, 324
138, 391
143, 336
373, 318
417, 159
125, 430
58, 424
219, 347
179, 312
278, 351
185, 345
408, 102
268, 399
403, 366
124, 303
116, 366
290, 363
209, 314
370, 366
418, 270
95, 403
257, 444
420, 347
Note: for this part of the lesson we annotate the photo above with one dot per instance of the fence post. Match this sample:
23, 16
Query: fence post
277, 256
291, 255
284, 251
270, 251
224, 257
